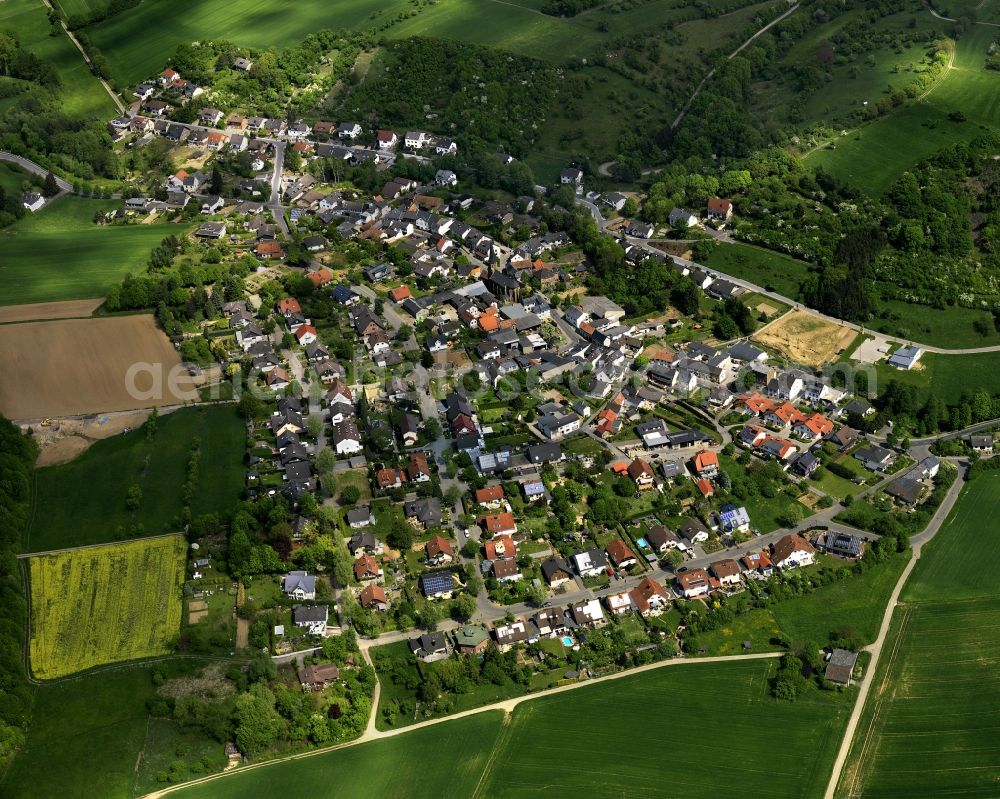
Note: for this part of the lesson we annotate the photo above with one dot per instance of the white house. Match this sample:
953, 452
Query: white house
793, 551
417, 139
346, 438
311, 618
33, 201
591, 563
299, 585
445, 177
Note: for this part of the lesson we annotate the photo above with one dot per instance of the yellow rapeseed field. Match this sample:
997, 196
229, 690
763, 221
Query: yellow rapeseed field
104, 604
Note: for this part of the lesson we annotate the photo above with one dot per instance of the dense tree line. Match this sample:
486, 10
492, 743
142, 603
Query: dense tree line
17, 458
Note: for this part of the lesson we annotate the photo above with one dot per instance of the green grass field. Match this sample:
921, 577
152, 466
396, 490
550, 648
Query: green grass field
87, 734
873, 156
948, 376
768, 269
60, 254
81, 94
105, 604
138, 42
12, 178
858, 602
585, 743
929, 728
83, 501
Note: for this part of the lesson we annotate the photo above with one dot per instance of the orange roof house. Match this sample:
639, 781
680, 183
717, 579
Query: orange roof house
706, 461
488, 322
649, 597
320, 277
705, 487
400, 294
501, 547
486, 496
498, 523
289, 305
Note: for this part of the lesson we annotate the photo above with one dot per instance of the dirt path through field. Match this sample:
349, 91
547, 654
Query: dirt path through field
38, 311
507, 706
242, 625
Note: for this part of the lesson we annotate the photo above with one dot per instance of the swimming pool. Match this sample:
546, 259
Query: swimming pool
567, 640
643, 544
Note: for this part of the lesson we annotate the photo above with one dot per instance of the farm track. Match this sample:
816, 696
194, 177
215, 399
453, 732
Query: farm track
76, 43
917, 542
507, 706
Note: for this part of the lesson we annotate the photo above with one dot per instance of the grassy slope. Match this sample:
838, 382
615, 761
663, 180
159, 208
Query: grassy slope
59, 254
585, 743
81, 94
930, 727
854, 79
768, 269
138, 42
12, 177
83, 502
105, 604
87, 733
873, 156
948, 327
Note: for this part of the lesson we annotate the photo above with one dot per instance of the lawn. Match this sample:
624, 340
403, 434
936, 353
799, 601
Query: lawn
105, 604
929, 727
589, 737
60, 254
87, 733
773, 271
84, 501
764, 511
12, 178
81, 94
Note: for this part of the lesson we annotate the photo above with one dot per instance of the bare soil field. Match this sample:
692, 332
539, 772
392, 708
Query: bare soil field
37, 311
806, 338
75, 367
64, 439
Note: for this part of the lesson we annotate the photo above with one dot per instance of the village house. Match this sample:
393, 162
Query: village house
792, 551
621, 555
472, 639
311, 618
693, 583
726, 571
430, 647
319, 678
373, 597
299, 585
649, 598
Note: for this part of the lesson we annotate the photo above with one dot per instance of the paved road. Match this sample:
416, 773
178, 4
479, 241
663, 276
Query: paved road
65, 187
917, 542
275, 201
